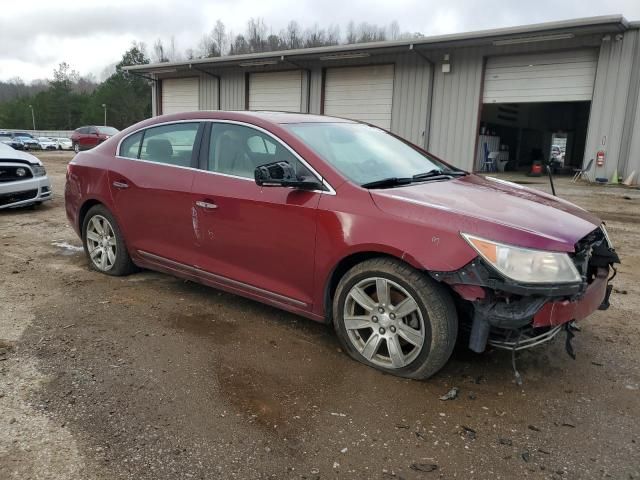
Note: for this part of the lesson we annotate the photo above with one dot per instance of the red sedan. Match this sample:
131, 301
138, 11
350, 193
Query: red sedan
345, 223
84, 138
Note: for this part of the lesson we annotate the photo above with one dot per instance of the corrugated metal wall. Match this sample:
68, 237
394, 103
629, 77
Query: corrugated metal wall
208, 92
454, 111
630, 150
232, 90
412, 98
609, 105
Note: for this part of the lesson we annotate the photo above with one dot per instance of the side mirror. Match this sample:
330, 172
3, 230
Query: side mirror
282, 174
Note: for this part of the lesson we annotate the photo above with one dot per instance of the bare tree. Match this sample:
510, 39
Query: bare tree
315, 37
394, 30
256, 34
159, 53
370, 33
333, 35
220, 37
352, 35
173, 52
239, 46
208, 47
293, 35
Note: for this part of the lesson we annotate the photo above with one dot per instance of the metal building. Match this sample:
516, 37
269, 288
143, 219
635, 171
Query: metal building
573, 85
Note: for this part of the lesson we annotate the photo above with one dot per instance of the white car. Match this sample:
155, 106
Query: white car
64, 144
23, 179
47, 143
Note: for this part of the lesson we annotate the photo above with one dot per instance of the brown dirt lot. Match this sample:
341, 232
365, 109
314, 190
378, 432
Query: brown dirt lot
151, 377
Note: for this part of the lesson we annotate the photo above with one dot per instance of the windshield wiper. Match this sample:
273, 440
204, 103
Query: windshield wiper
437, 173
388, 182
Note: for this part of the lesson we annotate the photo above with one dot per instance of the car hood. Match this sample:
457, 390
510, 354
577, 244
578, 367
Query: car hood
492, 208
8, 154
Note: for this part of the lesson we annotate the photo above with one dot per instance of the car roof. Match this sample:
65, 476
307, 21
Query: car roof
269, 116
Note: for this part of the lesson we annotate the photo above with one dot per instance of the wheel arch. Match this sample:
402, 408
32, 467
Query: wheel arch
84, 209
349, 261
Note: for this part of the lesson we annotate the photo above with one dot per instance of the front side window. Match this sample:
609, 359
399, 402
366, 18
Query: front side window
363, 153
237, 150
171, 144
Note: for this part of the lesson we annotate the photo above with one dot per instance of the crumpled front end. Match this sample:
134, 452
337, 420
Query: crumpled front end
507, 314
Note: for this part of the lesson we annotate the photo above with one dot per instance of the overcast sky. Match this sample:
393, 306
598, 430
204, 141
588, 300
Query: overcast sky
36, 35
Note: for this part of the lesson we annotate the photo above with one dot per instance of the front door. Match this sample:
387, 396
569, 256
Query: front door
151, 181
260, 237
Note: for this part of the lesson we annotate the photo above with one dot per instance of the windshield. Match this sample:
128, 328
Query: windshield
362, 153
107, 130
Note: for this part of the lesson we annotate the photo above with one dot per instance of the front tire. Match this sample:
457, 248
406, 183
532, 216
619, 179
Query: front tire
395, 318
104, 244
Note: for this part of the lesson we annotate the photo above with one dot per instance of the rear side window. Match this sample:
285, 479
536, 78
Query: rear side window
171, 144
130, 146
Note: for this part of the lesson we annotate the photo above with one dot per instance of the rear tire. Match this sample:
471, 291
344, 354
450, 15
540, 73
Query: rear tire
395, 318
104, 244
76, 147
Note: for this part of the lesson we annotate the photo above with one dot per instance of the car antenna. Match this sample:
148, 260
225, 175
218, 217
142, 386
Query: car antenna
553, 188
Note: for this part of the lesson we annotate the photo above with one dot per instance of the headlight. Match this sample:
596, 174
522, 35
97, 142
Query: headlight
39, 171
526, 265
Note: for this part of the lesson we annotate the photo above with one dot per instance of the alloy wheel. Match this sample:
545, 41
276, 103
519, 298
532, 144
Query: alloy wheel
384, 322
101, 243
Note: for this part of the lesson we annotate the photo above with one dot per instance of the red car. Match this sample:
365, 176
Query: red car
344, 223
84, 138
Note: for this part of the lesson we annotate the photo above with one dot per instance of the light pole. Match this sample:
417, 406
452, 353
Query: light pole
104, 105
33, 117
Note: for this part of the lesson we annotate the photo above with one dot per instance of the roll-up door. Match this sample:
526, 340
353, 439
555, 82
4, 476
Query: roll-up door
180, 95
545, 77
360, 93
279, 91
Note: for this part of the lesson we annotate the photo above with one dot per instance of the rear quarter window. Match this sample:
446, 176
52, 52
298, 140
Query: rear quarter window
130, 146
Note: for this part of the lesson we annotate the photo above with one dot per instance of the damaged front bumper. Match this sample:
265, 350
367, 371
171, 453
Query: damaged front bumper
511, 315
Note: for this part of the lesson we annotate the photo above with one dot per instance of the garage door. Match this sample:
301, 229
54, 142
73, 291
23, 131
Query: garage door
549, 77
180, 95
360, 93
280, 91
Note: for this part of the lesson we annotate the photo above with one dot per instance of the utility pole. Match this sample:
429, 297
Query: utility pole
104, 105
33, 117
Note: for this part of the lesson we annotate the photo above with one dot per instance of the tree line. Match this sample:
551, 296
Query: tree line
259, 37
69, 100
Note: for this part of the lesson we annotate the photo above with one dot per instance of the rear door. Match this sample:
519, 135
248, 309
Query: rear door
260, 238
151, 183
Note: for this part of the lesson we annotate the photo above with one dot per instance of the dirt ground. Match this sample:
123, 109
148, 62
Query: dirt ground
151, 377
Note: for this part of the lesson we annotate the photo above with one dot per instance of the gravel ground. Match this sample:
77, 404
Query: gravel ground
151, 377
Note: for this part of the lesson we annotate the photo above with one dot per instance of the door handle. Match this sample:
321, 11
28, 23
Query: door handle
120, 185
206, 205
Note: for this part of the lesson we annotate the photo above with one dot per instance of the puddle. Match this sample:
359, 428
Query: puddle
67, 248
